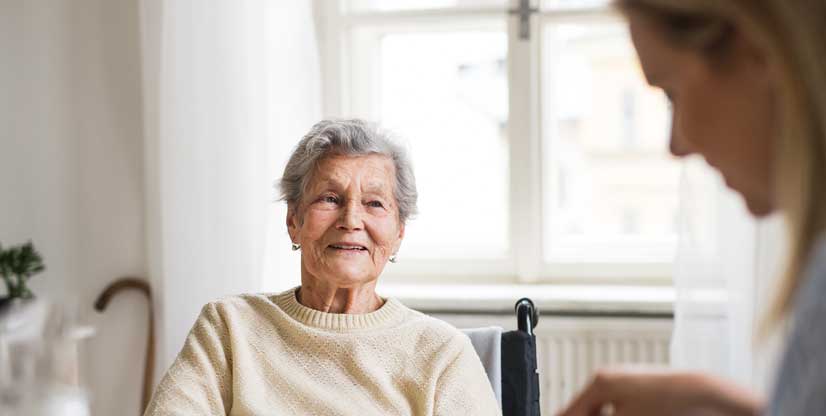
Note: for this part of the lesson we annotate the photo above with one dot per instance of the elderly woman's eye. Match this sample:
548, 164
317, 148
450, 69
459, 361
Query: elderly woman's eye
375, 204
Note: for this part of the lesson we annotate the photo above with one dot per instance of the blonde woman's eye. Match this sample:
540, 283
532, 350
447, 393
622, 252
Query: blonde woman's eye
329, 199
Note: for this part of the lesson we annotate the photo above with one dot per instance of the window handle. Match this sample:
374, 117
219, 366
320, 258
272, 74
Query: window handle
524, 13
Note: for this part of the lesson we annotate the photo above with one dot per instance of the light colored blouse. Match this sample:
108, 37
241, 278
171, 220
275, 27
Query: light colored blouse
800, 388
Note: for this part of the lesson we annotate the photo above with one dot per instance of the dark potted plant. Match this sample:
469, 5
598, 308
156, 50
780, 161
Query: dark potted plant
17, 265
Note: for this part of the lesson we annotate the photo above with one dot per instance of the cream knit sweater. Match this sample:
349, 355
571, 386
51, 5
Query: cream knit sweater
270, 355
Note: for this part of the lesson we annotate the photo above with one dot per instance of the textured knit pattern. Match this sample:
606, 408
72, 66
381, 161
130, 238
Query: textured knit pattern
270, 355
801, 383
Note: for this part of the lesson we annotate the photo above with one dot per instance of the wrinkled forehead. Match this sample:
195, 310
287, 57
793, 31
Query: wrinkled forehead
370, 173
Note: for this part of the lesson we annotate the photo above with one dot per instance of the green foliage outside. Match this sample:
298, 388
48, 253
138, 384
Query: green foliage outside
17, 265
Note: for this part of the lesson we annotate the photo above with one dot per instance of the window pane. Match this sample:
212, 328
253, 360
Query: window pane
610, 187
399, 5
446, 93
574, 4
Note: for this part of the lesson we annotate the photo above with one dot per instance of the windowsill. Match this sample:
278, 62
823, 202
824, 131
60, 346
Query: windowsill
564, 300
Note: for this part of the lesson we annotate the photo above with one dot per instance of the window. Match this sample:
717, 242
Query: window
538, 158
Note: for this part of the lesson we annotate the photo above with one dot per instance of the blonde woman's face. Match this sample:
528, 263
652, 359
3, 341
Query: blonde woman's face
348, 222
725, 113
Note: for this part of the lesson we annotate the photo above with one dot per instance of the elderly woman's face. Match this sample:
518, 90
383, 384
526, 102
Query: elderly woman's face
725, 112
348, 222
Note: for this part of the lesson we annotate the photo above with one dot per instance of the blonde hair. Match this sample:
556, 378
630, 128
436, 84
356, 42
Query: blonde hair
792, 32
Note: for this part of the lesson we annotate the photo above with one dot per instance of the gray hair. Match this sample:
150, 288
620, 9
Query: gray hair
351, 137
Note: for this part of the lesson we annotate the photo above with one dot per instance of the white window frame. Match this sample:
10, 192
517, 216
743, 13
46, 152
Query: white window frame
526, 116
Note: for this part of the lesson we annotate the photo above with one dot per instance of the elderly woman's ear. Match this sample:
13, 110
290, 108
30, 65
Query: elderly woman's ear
398, 242
292, 223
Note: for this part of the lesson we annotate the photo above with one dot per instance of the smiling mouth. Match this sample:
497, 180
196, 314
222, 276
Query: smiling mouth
347, 248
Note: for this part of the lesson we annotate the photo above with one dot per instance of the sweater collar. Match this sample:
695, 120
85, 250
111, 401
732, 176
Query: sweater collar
392, 311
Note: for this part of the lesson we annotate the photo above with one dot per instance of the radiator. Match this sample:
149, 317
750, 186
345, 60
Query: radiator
570, 350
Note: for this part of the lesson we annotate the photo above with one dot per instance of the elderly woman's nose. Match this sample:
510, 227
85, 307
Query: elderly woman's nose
351, 216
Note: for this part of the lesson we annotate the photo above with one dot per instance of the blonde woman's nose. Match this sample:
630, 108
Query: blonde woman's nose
678, 146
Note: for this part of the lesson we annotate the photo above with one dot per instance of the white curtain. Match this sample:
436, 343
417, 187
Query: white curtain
725, 269
229, 88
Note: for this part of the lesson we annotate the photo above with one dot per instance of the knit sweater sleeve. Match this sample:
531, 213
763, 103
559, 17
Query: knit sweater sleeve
463, 388
199, 380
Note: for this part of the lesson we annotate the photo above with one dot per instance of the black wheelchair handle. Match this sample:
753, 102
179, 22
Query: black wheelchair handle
527, 315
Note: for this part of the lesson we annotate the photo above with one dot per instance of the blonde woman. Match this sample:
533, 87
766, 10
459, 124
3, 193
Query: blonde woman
747, 81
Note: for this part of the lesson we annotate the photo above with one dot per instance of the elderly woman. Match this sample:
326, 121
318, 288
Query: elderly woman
747, 80
331, 346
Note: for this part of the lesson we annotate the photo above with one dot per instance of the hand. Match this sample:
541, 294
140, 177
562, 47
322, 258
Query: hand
629, 393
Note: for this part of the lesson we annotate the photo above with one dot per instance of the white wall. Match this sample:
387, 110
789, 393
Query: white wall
71, 169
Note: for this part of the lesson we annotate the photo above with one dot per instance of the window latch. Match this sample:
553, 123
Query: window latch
524, 13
